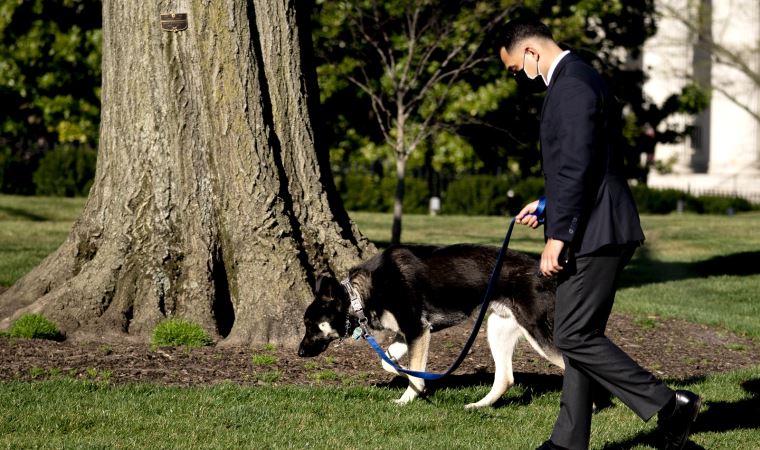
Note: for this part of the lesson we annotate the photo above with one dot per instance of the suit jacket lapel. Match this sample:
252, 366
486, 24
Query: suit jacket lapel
557, 72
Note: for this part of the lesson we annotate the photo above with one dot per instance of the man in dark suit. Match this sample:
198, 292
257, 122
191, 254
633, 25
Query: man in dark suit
592, 228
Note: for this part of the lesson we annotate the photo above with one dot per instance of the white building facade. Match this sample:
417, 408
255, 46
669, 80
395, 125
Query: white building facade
714, 43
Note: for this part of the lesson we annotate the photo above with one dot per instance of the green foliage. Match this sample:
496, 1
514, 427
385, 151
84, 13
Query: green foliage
66, 171
179, 332
366, 192
524, 192
711, 204
489, 195
348, 37
487, 121
664, 201
486, 195
362, 192
49, 81
657, 201
693, 99
476, 195
471, 194
35, 326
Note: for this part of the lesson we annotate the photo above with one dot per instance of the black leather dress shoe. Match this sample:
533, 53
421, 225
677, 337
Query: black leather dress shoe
675, 428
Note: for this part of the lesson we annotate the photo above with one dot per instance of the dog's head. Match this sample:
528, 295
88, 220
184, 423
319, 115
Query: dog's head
325, 318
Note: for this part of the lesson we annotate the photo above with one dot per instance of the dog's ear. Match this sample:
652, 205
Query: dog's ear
326, 287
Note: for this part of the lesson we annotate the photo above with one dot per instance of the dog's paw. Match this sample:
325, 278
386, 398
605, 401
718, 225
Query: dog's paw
408, 396
474, 406
402, 401
477, 405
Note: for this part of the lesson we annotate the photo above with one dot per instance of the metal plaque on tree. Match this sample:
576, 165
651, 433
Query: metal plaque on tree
174, 22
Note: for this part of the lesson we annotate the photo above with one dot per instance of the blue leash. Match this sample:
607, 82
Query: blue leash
367, 335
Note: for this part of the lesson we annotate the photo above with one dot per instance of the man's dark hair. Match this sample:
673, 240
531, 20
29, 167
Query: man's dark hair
522, 28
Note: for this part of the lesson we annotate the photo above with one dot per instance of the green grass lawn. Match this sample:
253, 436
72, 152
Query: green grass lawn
58, 414
30, 229
701, 268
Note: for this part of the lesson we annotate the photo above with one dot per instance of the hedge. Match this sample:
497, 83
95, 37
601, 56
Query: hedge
664, 201
66, 171
499, 195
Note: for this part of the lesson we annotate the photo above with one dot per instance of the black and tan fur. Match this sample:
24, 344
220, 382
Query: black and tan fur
417, 290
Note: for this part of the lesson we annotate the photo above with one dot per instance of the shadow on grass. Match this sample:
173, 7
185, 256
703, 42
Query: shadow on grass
716, 417
18, 213
645, 270
533, 383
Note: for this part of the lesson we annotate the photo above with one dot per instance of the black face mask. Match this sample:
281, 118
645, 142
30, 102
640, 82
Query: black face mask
534, 86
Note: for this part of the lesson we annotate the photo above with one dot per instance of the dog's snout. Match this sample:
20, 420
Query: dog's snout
310, 348
305, 349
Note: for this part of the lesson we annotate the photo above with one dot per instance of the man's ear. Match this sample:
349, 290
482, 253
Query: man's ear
326, 287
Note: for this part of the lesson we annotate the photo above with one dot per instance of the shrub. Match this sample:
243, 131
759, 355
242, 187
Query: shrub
416, 194
177, 332
710, 204
490, 195
664, 201
362, 192
35, 326
525, 192
16, 172
658, 201
477, 195
367, 192
66, 171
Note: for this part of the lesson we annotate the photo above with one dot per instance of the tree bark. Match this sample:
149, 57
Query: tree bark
211, 200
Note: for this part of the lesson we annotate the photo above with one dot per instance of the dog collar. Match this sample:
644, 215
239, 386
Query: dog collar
353, 296
356, 305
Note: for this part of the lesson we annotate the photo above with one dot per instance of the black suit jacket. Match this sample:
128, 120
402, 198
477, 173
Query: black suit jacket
588, 201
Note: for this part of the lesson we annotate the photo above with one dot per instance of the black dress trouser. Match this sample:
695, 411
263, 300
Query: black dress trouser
585, 293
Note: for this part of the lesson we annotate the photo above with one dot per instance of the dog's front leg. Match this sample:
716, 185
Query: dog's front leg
418, 355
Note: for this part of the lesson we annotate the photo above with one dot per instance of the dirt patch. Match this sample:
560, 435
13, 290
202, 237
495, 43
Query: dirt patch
670, 348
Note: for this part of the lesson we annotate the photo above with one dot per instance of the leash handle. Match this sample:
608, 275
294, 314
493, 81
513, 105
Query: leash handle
475, 329
540, 211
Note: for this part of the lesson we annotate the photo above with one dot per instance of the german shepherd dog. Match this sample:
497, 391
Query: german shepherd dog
416, 290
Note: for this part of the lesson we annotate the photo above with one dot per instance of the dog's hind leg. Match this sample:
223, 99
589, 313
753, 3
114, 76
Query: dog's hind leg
503, 334
418, 355
396, 351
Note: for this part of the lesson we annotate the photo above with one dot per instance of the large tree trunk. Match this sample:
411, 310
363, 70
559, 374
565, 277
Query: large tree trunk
210, 202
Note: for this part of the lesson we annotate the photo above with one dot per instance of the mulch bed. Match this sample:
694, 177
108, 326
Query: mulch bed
672, 349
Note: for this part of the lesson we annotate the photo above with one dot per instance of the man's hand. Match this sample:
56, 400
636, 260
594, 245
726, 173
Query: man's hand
550, 257
527, 216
